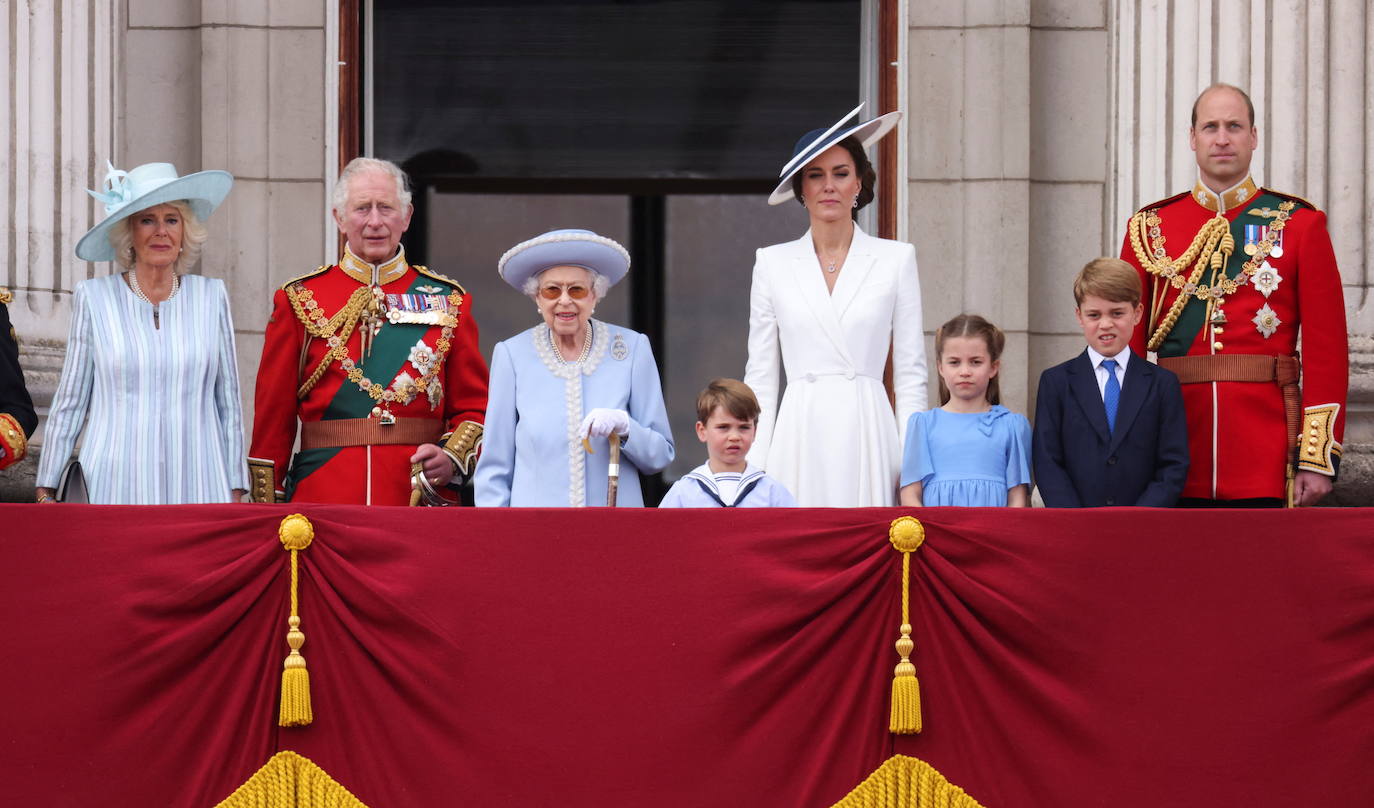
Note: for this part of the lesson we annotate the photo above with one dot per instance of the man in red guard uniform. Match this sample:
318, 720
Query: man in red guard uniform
17, 417
377, 359
1233, 273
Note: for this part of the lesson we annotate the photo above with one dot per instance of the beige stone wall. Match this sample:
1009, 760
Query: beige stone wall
1008, 164
237, 85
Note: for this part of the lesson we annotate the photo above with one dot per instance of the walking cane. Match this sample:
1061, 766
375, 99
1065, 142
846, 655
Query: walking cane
612, 468
613, 471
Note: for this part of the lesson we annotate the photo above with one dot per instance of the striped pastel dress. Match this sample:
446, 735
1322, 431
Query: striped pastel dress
159, 407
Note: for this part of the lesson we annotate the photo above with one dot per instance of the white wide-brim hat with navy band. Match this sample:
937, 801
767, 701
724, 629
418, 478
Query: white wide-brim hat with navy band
149, 185
563, 248
815, 142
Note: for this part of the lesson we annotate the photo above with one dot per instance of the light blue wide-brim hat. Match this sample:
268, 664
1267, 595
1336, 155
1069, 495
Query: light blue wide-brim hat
562, 248
814, 143
149, 185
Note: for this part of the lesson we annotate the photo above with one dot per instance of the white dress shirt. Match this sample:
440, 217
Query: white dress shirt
1101, 372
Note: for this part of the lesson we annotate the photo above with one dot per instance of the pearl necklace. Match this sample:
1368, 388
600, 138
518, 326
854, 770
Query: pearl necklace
138, 293
586, 347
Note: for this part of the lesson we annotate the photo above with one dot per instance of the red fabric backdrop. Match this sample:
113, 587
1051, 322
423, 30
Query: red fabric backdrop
532, 657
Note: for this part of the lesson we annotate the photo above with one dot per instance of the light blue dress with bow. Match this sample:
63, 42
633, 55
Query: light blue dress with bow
969, 459
532, 453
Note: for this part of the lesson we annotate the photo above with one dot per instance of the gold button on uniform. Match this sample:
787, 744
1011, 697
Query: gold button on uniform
1216, 346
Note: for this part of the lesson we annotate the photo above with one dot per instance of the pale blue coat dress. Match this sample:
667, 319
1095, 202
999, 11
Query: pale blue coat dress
969, 459
160, 407
532, 454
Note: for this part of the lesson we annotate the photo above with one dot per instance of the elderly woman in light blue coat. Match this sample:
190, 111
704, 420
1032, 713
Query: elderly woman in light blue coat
570, 377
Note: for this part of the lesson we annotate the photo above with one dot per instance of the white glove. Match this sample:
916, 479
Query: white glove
601, 422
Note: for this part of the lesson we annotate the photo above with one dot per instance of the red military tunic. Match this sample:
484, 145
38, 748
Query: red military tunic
1283, 281
423, 362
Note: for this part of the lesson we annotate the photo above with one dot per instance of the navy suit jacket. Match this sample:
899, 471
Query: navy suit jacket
1080, 463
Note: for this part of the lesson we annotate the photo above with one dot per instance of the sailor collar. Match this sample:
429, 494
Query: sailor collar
373, 274
1229, 199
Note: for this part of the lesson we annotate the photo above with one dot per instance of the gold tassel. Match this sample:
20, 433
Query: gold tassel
296, 533
906, 534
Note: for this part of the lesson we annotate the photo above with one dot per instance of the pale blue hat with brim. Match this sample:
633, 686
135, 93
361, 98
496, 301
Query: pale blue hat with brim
814, 143
563, 248
149, 185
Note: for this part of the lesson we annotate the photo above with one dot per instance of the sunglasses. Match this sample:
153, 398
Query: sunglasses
576, 291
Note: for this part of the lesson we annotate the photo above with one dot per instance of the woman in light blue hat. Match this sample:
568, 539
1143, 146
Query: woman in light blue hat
150, 381
568, 379
825, 309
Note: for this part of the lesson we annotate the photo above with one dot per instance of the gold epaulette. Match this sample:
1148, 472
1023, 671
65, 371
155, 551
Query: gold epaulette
306, 276
429, 273
6, 296
1166, 201
1293, 197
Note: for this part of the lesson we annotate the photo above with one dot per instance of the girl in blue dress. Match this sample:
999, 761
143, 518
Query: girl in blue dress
971, 451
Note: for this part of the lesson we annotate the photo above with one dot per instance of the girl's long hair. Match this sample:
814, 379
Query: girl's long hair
971, 325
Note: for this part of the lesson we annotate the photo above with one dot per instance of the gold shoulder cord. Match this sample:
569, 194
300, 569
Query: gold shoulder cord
1212, 246
1201, 253
342, 324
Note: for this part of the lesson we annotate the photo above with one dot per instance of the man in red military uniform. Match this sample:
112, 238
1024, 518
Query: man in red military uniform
1232, 274
376, 359
17, 418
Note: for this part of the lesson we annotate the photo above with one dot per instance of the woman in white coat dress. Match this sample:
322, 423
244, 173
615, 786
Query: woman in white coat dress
825, 308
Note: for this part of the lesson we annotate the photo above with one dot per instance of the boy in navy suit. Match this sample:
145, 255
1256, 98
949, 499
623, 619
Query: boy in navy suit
1109, 425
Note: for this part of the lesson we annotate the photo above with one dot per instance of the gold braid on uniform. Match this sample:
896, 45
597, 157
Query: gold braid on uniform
462, 444
1204, 250
342, 324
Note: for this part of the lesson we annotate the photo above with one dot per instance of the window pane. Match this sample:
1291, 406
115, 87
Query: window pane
710, 257
715, 89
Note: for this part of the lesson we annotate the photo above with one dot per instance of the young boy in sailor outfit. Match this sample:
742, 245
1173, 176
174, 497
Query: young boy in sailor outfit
727, 415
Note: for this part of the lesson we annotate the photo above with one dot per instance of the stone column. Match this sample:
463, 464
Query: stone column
241, 87
967, 95
1308, 68
57, 127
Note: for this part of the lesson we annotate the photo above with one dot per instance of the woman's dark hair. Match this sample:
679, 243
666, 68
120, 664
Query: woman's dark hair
867, 176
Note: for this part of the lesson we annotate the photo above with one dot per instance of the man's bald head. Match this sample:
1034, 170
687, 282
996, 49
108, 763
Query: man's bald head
1221, 87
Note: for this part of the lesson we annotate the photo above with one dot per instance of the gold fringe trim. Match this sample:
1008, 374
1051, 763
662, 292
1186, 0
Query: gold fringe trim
296, 533
289, 780
906, 534
906, 782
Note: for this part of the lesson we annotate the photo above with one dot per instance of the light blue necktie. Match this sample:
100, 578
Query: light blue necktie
1111, 396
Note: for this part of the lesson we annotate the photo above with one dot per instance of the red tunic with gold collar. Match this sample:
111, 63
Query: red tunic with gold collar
1279, 280
354, 341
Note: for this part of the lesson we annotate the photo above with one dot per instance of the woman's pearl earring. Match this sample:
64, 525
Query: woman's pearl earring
856, 201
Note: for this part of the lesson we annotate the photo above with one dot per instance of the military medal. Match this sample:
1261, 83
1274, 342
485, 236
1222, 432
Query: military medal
1253, 235
1266, 279
420, 309
1277, 250
1266, 321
